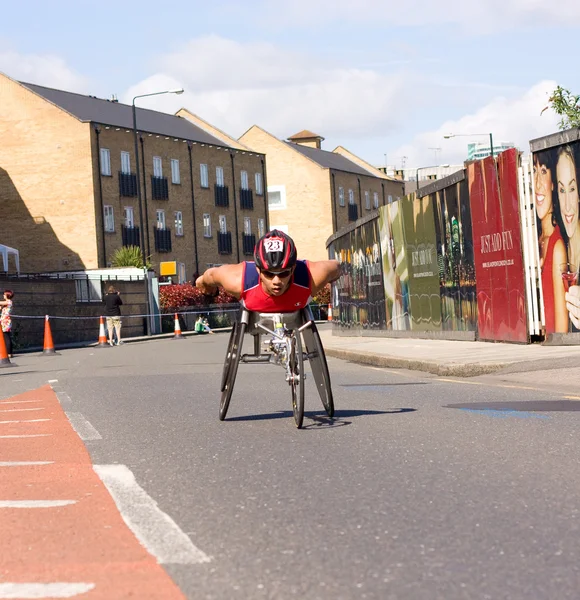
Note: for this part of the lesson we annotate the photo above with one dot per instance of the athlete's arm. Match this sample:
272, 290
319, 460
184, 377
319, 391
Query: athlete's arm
228, 277
323, 272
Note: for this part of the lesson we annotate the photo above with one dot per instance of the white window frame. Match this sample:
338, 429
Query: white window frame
247, 226
175, 174
259, 184
376, 199
125, 162
203, 176
178, 222
219, 176
281, 189
261, 227
160, 222
157, 166
341, 196
109, 217
244, 180
351, 197
206, 225
222, 224
129, 216
367, 200
105, 162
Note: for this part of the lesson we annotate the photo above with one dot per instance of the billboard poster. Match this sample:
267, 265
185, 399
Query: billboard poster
370, 256
424, 297
556, 202
497, 249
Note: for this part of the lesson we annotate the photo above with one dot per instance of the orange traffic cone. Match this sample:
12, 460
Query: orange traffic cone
177, 335
102, 343
48, 345
4, 360
330, 312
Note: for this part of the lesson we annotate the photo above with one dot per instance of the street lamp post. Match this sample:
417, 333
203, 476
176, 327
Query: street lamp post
431, 167
139, 198
451, 135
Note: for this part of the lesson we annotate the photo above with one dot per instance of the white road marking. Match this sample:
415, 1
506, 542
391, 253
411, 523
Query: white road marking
19, 401
156, 530
31, 435
18, 409
43, 590
84, 429
63, 397
25, 463
25, 421
35, 503
53, 381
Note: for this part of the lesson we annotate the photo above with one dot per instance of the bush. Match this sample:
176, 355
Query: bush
174, 297
323, 296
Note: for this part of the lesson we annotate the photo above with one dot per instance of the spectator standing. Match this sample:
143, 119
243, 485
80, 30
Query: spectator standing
113, 303
6, 320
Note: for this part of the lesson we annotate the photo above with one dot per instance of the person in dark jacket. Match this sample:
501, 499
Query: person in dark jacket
113, 305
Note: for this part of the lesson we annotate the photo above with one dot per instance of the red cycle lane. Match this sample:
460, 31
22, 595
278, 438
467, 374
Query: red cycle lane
61, 532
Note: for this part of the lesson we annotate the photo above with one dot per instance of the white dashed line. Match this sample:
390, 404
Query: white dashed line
156, 530
3, 410
19, 401
31, 435
43, 590
25, 421
53, 381
84, 429
25, 463
35, 503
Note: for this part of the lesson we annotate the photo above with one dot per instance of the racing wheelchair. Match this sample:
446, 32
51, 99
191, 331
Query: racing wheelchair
286, 332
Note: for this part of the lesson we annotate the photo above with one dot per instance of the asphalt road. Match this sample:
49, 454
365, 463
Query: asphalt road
420, 488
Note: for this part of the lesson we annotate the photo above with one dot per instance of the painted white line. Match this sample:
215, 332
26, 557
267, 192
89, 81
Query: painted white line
571, 397
31, 435
26, 421
156, 530
19, 401
25, 463
18, 409
53, 381
35, 503
43, 590
63, 397
83, 428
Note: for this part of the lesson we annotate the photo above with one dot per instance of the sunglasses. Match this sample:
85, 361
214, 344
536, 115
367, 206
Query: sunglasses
280, 274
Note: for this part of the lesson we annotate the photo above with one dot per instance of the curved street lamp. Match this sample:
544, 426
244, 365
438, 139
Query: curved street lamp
451, 135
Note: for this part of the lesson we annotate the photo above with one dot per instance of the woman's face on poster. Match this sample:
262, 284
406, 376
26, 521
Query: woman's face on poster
544, 188
568, 192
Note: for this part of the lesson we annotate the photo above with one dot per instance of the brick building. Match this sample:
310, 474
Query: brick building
313, 193
68, 184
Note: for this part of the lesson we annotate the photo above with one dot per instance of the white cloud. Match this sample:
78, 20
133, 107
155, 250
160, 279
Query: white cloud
235, 85
46, 69
516, 120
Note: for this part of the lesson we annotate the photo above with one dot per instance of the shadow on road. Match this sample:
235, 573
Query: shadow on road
524, 405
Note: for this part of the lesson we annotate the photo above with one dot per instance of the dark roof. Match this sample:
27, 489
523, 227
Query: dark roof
330, 160
305, 134
96, 110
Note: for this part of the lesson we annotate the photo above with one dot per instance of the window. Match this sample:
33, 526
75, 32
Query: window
261, 227
222, 224
105, 162
128, 216
390, 198
175, 176
276, 197
341, 196
109, 218
204, 180
157, 167
259, 185
244, 176
206, 225
247, 226
376, 199
160, 216
88, 290
350, 197
367, 200
178, 222
125, 163
219, 176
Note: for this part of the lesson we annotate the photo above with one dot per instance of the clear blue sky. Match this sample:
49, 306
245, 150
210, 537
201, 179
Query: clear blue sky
377, 76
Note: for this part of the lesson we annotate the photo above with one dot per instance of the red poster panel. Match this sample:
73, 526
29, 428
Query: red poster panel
497, 248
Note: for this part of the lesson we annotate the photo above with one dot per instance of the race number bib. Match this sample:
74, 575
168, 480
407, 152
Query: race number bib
274, 245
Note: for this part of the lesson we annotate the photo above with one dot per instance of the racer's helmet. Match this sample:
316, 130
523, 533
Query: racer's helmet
275, 251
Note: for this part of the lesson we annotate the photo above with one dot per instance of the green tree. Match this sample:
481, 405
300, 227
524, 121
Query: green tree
567, 106
128, 256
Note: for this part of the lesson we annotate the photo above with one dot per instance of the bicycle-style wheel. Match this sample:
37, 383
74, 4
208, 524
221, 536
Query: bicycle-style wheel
319, 367
234, 358
296, 362
228, 360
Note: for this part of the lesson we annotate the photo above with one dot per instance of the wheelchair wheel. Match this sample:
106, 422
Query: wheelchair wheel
228, 361
296, 362
233, 357
319, 367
